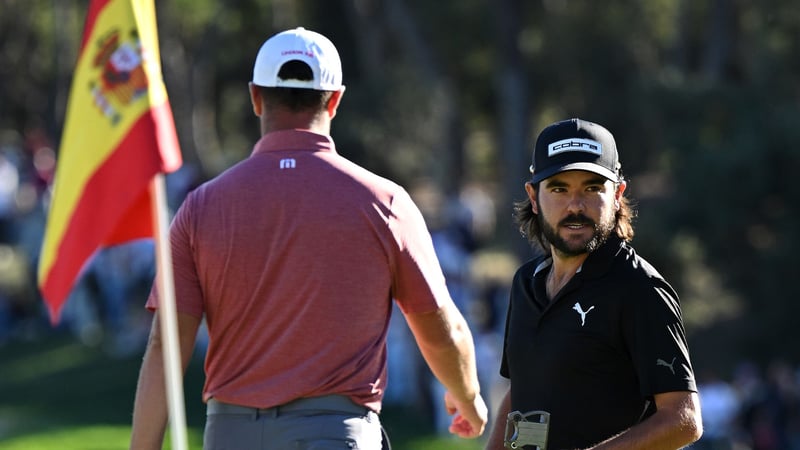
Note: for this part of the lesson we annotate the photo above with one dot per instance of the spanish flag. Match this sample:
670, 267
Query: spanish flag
118, 135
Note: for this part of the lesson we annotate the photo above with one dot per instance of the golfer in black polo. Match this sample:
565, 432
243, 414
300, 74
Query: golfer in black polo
595, 348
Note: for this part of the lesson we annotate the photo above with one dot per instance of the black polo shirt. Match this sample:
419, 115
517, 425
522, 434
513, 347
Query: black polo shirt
594, 356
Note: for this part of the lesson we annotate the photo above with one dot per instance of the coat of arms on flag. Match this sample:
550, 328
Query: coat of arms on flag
118, 135
122, 78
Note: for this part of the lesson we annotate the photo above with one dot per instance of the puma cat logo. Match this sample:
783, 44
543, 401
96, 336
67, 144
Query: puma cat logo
661, 362
583, 313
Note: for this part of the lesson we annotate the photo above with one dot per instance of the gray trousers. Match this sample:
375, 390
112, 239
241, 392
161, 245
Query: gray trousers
331, 422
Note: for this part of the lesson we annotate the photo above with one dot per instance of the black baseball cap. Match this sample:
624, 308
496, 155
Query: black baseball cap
575, 144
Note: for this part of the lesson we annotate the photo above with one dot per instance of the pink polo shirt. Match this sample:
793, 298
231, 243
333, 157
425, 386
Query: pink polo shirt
294, 256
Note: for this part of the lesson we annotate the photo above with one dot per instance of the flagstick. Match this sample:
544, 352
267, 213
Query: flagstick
173, 370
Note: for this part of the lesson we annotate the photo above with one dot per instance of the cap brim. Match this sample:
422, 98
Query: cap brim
589, 167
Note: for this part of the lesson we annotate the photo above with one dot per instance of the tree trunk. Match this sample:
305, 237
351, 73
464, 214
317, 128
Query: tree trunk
719, 43
513, 108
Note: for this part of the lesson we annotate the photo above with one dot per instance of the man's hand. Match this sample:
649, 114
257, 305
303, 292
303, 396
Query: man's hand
470, 418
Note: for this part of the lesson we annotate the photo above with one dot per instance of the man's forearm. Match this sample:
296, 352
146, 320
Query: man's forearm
150, 407
676, 423
497, 436
446, 344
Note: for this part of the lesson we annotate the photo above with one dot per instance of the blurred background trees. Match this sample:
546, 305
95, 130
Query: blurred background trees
702, 98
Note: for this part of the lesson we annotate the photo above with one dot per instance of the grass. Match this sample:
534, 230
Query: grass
100, 437
56, 393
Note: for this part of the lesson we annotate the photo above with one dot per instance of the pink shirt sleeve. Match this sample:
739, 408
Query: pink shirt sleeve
188, 293
418, 284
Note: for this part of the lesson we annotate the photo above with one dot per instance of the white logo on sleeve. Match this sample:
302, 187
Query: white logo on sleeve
668, 365
583, 313
288, 163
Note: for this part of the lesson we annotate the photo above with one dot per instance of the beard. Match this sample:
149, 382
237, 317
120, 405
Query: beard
599, 236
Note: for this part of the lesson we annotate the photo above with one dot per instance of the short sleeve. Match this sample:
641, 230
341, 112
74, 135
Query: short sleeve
656, 339
418, 284
188, 291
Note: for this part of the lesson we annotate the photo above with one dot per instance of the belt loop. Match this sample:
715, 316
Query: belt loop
276, 412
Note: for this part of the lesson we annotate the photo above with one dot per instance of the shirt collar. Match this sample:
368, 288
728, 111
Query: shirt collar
284, 140
598, 262
543, 265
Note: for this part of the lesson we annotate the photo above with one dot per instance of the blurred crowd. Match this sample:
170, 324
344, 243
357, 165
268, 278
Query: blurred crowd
754, 407
27, 166
105, 306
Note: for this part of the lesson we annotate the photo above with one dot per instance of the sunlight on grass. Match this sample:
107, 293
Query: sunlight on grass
444, 443
44, 363
56, 394
97, 437
108, 437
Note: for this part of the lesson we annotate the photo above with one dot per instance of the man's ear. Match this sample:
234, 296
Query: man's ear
334, 101
618, 194
531, 190
255, 99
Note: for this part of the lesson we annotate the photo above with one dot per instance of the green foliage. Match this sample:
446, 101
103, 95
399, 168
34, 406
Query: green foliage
58, 394
92, 437
734, 156
701, 96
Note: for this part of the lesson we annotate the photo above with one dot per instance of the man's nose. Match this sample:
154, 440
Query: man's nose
576, 203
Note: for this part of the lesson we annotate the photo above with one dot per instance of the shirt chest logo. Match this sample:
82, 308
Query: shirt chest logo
577, 307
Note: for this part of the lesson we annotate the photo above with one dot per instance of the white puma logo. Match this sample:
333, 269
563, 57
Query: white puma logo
583, 313
661, 362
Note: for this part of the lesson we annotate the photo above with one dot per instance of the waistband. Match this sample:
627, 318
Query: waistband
326, 403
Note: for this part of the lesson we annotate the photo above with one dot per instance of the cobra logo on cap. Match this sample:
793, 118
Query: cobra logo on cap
575, 145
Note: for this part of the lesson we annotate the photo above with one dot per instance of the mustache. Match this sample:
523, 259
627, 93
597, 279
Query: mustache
576, 219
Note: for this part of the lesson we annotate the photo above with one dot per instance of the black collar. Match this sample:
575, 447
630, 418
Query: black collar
598, 263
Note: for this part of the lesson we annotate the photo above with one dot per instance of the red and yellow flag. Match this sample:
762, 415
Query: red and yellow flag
118, 134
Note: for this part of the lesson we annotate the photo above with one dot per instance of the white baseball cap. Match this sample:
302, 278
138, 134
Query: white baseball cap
303, 45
